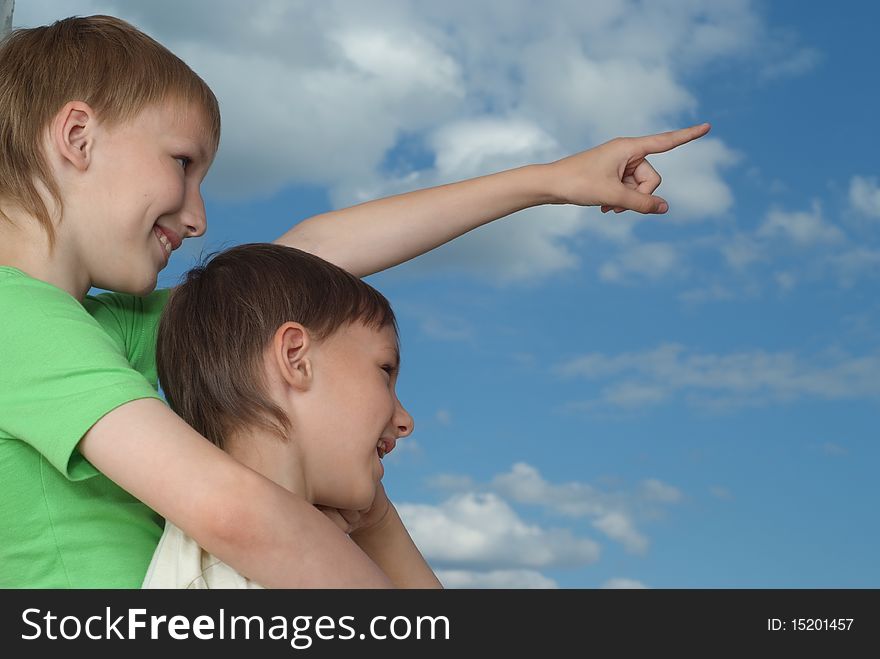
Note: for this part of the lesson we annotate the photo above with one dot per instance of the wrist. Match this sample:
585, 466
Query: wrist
546, 184
377, 527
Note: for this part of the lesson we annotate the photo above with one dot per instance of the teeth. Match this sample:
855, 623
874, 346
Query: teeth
164, 241
380, 449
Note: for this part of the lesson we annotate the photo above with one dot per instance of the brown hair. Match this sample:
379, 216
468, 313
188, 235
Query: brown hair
220, 320
104, 61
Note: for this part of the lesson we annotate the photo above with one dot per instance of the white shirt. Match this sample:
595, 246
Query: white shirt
179, 562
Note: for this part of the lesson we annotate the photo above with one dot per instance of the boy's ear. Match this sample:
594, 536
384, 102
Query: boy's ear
292, 348
73, 133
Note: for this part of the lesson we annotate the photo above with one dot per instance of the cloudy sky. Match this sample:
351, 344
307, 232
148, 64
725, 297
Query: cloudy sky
600, 401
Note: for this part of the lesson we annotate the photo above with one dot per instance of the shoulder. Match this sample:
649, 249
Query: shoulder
33, 310
20, 293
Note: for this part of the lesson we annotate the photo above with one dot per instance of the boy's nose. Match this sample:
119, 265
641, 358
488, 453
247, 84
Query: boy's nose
403, 421
193, 215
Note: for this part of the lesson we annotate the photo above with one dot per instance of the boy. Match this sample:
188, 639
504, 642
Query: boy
291, 368
106, 138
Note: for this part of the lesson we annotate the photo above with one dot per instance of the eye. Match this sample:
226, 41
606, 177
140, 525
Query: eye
389, 369
184, 161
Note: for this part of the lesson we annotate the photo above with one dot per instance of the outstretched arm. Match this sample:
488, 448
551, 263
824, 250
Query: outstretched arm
376, 235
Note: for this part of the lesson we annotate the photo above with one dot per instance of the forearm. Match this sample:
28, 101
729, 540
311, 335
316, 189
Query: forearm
376, 235
259, 528
284, 542
390, 546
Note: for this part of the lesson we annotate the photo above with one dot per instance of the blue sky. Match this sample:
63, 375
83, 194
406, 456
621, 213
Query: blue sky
600, 401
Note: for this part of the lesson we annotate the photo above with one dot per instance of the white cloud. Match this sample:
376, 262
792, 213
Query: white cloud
557, 73
649, 260
741, 251
446, 328
531, 244
481, 530
524, 484
326, 94
773, 253
443, 417
634, 394
864, 195
401, 59
711, 293
727, 381
41, 12
793, 64
656, 490
474, 147
621, 583
778, 242
836, 450
325, 123
495, 579
721, 492
525, 248
619, 229
692, 180
322, 93
452, 482
405, 449
619, 527
477, 539
803, 228
5, 18
786, 281
611, 514
854, 264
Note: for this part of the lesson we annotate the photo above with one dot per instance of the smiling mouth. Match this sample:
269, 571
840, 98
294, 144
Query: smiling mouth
384, 447
163, 240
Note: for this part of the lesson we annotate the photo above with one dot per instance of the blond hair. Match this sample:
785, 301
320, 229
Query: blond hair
100, 60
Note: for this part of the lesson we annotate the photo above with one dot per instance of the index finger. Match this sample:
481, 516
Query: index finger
662, 142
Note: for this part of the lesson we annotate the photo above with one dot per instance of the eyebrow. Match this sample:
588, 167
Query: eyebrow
201, 154
197, 148
396, 363
207, 155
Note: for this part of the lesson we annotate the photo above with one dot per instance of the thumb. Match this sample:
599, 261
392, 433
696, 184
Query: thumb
639, 201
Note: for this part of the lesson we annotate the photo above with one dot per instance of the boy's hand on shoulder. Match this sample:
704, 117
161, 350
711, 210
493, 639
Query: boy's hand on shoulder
616, 175
354, 521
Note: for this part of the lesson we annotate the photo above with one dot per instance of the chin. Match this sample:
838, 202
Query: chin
140, 286
129, 283
362, 500
143, 292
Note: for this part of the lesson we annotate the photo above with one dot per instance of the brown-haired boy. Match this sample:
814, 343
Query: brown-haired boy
289, 364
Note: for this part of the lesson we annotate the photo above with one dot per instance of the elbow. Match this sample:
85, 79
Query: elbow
230, 517
323, 236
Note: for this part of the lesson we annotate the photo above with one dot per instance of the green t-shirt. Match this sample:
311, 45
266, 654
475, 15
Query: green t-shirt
63, 366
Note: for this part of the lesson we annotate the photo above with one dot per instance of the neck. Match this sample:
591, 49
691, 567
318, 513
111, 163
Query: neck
24, 244
274, 458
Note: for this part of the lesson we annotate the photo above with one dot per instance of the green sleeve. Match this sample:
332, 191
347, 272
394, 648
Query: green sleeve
61, 371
